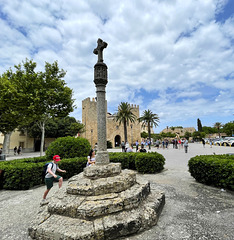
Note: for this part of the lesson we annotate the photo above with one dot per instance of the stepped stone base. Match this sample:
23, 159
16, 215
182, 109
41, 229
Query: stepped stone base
125, 207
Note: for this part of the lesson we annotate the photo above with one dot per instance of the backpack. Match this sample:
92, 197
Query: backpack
45, 169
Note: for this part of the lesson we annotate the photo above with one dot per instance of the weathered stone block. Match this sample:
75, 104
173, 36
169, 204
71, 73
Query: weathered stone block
92, 209
102, 171
83, 186
65, 204
122, 224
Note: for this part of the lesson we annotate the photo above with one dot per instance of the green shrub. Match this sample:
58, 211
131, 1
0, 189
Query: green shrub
72, 166
131, 160
68, 147
120, 158
26, 173
215, 170
149, 162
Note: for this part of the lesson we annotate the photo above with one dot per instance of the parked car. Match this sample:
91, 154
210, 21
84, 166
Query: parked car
230, 142
219, 141
225, 141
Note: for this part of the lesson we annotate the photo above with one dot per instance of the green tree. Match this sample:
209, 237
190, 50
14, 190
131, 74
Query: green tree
34, 96
198, 135
218, 125
54, 97
57, 127
187, 135
16, 102
209, 130
199, 125
149, 119
144, 134
124, 116
228, 128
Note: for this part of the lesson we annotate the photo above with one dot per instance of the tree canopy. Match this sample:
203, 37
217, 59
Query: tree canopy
199, 125
124, 116
28, 96
149, 119
57, 127
228, 128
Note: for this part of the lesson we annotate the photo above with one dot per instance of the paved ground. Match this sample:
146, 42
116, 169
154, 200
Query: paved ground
192, 210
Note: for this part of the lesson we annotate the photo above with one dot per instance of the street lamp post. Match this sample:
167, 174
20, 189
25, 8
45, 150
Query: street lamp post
131, 136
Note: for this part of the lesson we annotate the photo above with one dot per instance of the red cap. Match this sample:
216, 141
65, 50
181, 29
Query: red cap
56, 158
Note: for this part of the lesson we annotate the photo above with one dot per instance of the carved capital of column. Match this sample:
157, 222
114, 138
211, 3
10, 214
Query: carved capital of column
100, 74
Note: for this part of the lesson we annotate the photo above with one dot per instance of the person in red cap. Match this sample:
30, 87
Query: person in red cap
51, 177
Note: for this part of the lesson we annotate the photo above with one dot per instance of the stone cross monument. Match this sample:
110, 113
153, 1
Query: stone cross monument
100, 80
103, 202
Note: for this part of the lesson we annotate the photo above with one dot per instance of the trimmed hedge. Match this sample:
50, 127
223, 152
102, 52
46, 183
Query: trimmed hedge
25, 173
142, 162
149, 163
215, 170
68, 147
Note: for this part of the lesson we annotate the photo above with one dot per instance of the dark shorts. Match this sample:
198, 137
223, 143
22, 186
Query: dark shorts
49, 181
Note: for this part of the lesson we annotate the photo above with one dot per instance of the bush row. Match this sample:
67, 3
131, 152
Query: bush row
142, 162
216, 170
26, 173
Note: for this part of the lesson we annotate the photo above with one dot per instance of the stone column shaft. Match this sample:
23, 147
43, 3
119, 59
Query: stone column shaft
101, 117
100, 80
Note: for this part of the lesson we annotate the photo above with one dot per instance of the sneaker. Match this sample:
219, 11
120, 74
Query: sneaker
44, 202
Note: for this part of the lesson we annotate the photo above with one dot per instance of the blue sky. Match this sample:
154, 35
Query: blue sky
173, 57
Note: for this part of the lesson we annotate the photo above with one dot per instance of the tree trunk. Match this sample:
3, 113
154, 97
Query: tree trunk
125, 132
6, 143
149, 133
42, 137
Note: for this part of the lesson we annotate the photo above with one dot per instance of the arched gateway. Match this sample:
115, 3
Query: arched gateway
117, 140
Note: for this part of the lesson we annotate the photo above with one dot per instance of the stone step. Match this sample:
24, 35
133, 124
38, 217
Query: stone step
80, 185
113, 226
90, 207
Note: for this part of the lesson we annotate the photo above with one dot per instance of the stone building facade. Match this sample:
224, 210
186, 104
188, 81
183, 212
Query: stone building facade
19, 138
115, 132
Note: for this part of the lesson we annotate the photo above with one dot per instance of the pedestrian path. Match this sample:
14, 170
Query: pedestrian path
192, 211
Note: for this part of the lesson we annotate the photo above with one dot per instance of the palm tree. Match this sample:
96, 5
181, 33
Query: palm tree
149, 119
125, 115
218, 125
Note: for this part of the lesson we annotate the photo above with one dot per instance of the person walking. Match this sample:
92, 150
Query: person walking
137, 144
123, 146
19, 150
186, 145
203, 142
126, 146
15, 150
51, 177
210, 141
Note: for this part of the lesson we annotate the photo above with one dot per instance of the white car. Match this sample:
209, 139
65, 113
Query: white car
219, 142
226, 141
230, 141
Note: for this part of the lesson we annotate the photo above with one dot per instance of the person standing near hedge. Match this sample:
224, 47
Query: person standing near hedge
51, 177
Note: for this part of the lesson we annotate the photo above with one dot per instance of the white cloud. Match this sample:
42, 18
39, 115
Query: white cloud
159, 52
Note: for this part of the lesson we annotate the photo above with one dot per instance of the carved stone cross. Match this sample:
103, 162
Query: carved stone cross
99, 49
